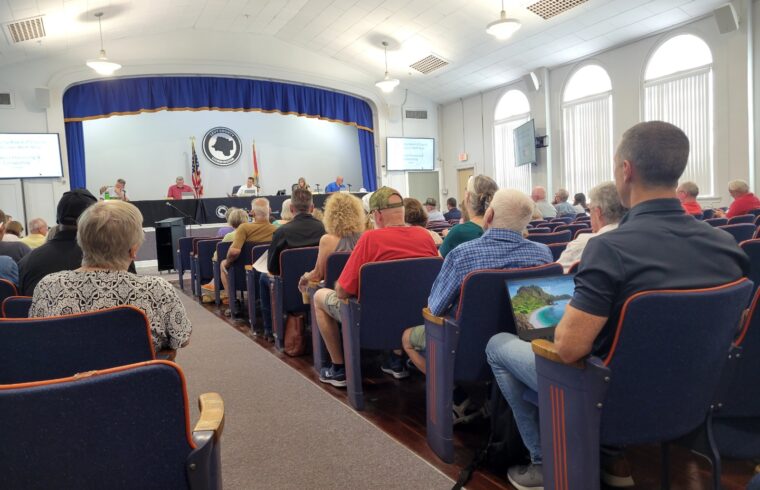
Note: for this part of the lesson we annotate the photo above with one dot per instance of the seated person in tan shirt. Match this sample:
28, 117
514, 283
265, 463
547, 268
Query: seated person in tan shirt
260, 231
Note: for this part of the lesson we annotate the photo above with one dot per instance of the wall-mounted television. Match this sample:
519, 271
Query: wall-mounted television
30, 155
410, 153
525, 143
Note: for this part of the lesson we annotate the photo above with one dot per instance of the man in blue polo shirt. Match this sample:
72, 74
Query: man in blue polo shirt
688, 254
336, 186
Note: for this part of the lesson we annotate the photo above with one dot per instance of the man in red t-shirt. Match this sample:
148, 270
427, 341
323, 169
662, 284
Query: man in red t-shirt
744, 200
392, 239
175, 191
687, 193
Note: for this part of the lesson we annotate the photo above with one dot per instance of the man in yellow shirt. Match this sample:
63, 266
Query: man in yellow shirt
38, 231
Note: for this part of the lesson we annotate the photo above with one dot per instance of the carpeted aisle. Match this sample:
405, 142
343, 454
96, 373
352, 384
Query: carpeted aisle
281, 431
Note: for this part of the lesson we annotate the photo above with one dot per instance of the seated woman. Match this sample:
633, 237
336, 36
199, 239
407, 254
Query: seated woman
344, 223
109, 234
301, 184
13, 231
235, 218
480, 191
415, 215
285, 214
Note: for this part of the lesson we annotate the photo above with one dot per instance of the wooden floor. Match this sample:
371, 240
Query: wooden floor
398, 408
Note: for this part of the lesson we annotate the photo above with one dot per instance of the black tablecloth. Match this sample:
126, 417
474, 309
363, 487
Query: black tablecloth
207, 210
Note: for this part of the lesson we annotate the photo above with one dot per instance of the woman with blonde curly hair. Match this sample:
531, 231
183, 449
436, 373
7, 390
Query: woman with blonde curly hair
344, 223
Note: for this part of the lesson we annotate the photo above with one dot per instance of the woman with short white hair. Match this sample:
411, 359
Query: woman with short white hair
109, 234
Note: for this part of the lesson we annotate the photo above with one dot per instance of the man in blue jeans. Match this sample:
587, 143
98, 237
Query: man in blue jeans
304, 230
616, 265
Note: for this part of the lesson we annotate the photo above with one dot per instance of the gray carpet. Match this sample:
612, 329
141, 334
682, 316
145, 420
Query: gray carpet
281, 431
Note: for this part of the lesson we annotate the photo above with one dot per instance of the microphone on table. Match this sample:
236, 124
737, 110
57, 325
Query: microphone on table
349, 187
317, 188
182, 212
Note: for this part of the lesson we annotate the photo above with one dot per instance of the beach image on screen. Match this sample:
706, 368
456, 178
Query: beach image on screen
540, 302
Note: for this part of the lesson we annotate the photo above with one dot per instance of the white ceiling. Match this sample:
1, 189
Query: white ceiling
351, 31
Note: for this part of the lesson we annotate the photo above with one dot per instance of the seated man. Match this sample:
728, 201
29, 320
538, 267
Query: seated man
260, 231
118, 191
543, 208
175, 191
647, 251
61, 252
606, 212
453, 212
431, 207
15, 249
744, 200
390, 240
38, 231
687, 193
502, 246
249, 189
563, 207
336, 186
304, 230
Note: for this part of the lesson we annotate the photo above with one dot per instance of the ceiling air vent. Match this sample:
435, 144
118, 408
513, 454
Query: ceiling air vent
414, 114
429, 63
26, 30
547, 9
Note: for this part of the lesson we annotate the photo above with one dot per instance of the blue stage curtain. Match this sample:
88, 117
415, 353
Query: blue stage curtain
104, 98
75, 153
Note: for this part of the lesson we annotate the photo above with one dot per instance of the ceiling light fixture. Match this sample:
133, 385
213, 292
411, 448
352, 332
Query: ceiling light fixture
387, 84
101, 64
503, 28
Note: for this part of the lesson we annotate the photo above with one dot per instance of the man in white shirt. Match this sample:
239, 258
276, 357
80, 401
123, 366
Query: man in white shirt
539, 197
431, 206
249, 189
606, 212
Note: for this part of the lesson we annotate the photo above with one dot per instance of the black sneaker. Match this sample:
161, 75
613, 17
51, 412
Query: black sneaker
334, 376
394, 365
529, 477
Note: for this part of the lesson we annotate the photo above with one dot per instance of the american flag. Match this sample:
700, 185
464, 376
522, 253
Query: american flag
196, 171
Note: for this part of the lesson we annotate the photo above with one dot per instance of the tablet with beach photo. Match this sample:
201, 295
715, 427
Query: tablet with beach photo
538, 304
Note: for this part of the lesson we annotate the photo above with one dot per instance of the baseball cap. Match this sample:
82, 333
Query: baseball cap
72, 205
379, 199
431, 202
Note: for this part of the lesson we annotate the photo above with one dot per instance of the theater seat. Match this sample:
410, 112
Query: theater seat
656, 384
740, 232
557, 249
126, 427
286, 298
185, 248
548, 238
252, 282
716, 221
742, 218
34, 349
16, 306
456, 344
7, 289
336, 261
204, 269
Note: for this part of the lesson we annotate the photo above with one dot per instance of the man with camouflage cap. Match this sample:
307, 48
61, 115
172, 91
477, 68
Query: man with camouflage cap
391, 240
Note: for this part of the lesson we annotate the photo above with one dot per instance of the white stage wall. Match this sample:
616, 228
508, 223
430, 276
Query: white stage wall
150, 150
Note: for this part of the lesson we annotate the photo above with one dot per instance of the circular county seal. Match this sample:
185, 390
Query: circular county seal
221, 211
221, 146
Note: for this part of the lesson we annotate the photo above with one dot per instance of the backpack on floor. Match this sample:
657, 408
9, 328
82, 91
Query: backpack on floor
504, 448
295, 335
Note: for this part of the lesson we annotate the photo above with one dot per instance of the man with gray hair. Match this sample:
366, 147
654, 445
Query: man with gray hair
38, 231
260, 231
563, 207
744, 200
501, 246
687, 193
544, 208
656, 246
606, 212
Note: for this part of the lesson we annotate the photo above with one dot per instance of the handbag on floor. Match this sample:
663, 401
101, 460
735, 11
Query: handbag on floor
295, 335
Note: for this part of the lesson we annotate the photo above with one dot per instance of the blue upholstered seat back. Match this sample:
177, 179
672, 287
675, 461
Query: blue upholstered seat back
557, 249
564, 219
245, 258
336, 261
742, 218
740, 232
185, 247
125, 429
293, 263
539, 229
392, 295
484, 310
716, 221
34, 349
670, 350
206, 249
547, 238
16, 306
7, 289
573, 227
752, 249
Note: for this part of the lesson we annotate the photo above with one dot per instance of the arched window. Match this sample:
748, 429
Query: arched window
678, 89
587, 128
512, 110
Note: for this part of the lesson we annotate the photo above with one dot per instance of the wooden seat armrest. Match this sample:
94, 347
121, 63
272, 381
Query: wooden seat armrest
547, 350
248, 267
212, 414
167, 354
428, 316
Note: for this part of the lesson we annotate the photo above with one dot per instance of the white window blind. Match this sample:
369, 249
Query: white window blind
508, 176
686, 100
587, 131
